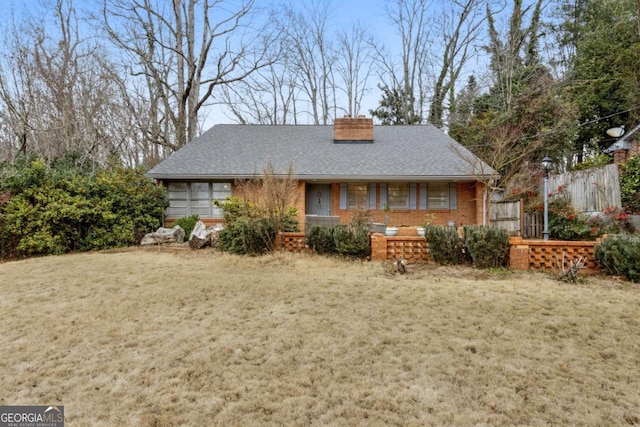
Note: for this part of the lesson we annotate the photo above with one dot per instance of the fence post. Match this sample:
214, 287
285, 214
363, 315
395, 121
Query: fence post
521, 211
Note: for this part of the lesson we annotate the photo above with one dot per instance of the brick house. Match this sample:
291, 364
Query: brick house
404, 172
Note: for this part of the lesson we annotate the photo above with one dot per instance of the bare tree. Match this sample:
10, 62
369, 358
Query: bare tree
411, 20
268, 96
504, 160
355, 65
17, 99
458, 28
54, 88
317, 74
312, 55
184, 50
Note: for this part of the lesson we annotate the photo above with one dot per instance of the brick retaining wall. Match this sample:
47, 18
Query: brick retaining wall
524, 255
541, 255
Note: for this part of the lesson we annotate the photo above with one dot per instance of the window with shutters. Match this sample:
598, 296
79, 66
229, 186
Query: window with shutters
398, 195
438, 195
357, 196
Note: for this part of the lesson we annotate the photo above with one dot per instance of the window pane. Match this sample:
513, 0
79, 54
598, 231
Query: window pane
199, 190
177, 203
176, 211
222, 186
216, 212
221, 190
177, 186
201, 212
438, 196
177, 193
358, 196
203, 203
398, 195
177, 190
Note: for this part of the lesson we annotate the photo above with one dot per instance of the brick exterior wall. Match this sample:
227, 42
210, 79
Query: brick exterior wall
621, 156
469, 209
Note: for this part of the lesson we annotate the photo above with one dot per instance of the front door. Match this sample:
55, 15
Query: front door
318, 199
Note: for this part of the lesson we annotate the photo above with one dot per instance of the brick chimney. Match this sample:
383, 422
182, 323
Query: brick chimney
624, 154
348, 129
620, 156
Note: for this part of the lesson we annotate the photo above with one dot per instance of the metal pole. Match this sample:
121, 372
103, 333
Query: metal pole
545, 232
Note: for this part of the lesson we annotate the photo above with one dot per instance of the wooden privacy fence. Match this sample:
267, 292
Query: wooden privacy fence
511, 217
590, 190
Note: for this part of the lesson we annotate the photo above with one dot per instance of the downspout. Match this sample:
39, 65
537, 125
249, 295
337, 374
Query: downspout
484, 206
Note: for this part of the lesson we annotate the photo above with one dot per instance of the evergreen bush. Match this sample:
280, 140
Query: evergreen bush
187, 223
445, 246
620, 255
247, 236
53, 210
352, 240
630, 184
251, 230
320, 239
487, 246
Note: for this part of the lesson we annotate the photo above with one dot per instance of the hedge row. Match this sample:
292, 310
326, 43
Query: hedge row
484, 247
53, 210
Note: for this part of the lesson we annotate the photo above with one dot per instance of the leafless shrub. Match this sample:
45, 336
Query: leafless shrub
570, 272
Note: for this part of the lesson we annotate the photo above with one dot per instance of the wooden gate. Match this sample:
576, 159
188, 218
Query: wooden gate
532, 225
510, 216
506, 215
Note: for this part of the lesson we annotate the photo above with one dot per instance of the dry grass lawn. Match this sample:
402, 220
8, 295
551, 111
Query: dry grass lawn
155, 338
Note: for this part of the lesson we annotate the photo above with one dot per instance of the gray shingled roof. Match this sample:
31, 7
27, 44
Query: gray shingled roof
421, 153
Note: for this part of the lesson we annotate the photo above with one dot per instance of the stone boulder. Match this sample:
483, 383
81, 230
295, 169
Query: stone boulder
164, 235
203, 236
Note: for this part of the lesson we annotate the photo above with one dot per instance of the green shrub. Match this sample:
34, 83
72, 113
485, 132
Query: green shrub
620, 255
250, 230
352, 240
445, 246
52, 211
487, 246
349, 240
247, 236
187, 223
320, 239
566, 224
630, 184
289, 221
129, 202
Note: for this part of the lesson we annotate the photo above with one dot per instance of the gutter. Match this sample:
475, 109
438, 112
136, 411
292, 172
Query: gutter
341, 178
